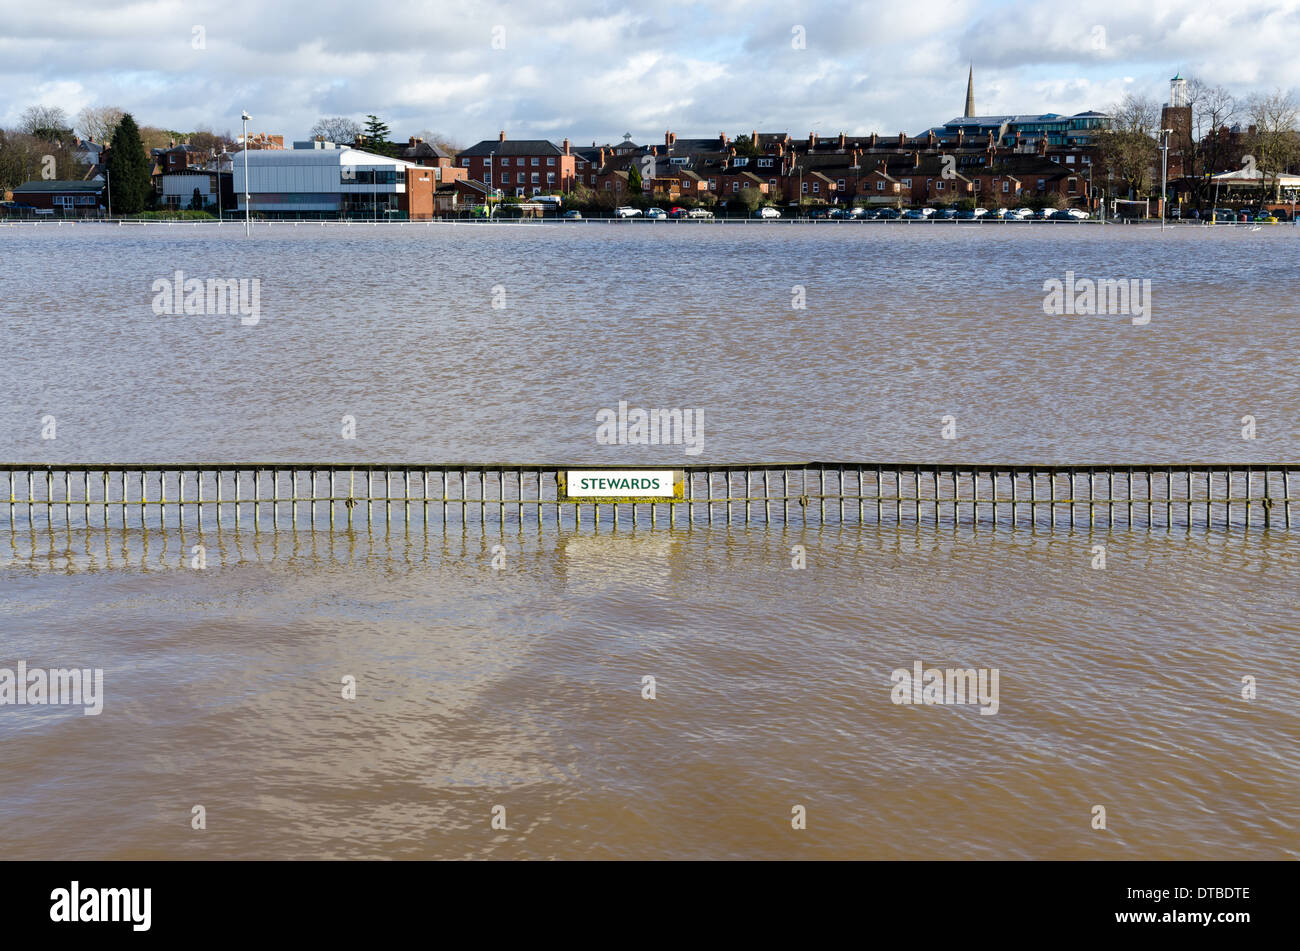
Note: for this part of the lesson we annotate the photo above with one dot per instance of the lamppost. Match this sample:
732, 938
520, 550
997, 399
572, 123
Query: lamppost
248, 220
220, 156
491, 183
108, 189
1164, 173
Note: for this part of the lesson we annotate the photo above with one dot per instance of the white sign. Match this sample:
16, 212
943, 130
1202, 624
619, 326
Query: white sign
621, 484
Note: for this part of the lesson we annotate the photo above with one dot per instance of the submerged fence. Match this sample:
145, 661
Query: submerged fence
329, 496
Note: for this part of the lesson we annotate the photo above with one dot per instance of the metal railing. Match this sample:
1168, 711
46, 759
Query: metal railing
275, 496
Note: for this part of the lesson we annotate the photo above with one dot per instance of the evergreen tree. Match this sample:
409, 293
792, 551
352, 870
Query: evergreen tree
376, 133
635, 185
128, 169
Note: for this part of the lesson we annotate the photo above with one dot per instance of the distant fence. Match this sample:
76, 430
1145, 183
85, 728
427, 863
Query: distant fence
329, 496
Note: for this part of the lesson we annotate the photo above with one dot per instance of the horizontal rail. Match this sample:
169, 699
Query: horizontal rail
439, 496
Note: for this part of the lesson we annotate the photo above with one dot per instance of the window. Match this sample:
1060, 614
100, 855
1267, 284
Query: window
840, 183
765, 163
713, 184
536, 190
550, 178
505, 160
880, 186
1006, 187
505, 178
1042, 183
550, 161
535, 160
907, 183
535, 178
805, 188
977, 184
735, 186
519, 193
1069, 160
465, 162
938, 186
816, 187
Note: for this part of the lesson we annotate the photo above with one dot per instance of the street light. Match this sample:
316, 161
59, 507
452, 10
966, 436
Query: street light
1164, 173
248, 221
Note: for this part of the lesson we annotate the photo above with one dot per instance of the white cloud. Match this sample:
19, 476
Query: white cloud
592, 69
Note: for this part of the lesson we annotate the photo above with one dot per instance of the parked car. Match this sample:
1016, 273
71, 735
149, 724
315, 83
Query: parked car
946, 214
869, 214
819, 213
573, 214
656, 213
1265, 216
981, 212
626, 211
699, 213
840, 214
1002, 214
915, 214
1044, 214
1022, 214
888, 214
767, 211
676, 212
1222, 214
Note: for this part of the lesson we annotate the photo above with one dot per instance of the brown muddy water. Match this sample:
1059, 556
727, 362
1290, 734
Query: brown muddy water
522, 687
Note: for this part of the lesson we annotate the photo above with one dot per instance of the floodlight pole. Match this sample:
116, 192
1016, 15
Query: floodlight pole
248, 221
1164, 174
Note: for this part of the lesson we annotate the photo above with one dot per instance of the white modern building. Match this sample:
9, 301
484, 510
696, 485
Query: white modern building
321, 179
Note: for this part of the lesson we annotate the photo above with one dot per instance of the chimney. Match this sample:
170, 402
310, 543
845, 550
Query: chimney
961, 137
753, 138
413, 140
874, 139
722, 139
602, 156
916, 159
812, 141
842, 141
501, 136
566, 146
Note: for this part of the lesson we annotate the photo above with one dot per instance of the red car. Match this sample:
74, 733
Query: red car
676, 212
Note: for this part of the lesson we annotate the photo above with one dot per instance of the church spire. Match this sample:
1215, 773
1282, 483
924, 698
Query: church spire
970, 93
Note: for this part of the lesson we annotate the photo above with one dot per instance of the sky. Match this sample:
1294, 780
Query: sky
593, 71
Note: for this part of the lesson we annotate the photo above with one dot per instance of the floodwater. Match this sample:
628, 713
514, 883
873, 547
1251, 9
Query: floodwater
523, 687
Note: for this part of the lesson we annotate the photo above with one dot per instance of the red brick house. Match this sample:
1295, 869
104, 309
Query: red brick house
522, 168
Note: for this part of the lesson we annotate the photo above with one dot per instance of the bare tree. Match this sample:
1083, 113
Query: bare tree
43, 120
1273, 143
1128, 148
338, 129
1208, 146
445, 142
97, 123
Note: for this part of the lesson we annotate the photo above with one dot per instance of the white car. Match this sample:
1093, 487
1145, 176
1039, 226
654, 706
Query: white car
767, 211
656, 213
626, 211
699, 213
1077, 214
981, 212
